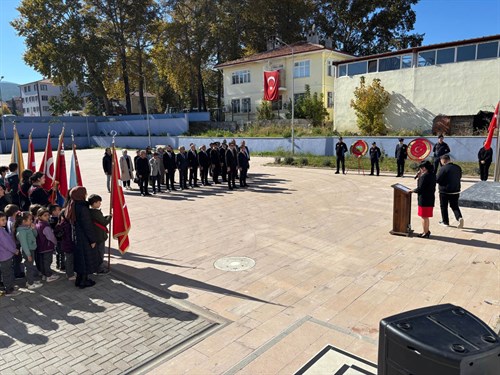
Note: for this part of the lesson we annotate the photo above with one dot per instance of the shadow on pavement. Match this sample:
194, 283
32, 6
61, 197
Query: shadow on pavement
167, 280
465, 242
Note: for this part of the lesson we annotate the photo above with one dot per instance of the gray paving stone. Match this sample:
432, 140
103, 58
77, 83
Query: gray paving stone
106, 329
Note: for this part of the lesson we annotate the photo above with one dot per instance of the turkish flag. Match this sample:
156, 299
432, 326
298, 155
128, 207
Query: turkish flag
491, 129
47, 166
61, 176
271, 85
31, 155
121, 219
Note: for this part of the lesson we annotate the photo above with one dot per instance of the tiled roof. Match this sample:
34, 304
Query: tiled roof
298, 48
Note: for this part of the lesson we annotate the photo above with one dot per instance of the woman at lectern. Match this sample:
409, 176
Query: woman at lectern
426, 188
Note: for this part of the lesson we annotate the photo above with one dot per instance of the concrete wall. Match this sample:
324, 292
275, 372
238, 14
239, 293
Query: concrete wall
462, 148
420, 94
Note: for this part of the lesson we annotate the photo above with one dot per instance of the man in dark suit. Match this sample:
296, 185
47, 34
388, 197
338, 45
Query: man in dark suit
441, 148
401, 154
222, 153
204, 162
182, 165
232, 165
142, 172
485, 157
243, 165
215, 162
340, 151
193, 166
170, 165
375, 155
448, 178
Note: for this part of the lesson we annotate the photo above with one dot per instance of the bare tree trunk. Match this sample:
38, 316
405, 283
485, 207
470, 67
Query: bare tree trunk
126, 83
141, 78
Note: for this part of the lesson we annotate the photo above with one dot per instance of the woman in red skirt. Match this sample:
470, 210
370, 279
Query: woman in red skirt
426, 188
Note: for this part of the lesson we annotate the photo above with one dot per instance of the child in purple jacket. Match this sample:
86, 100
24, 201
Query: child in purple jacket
45, 244
7, 252
64, 232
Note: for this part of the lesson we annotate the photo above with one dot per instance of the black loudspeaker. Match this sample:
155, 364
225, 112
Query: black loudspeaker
437, 340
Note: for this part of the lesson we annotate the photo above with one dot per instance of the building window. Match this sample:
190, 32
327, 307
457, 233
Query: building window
372, 66
43, 87
298, 96
329, 100
487, 50
235, 105
466, 53
406, 61
427, 58
246, 105
342, 70
445, 56
277, 104
356, 68
45, 108
389, 63
301, 69
29, 88
329, 68
45, 98
241, 76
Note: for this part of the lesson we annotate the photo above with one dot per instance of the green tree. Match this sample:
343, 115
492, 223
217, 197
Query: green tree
67, 101
4, 109
369, 103
265, 111
361, 27
311, 107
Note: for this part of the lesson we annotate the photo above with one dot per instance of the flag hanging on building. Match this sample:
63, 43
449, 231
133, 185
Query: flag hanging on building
75, 177
491, 129
47, 166
60, 177
16, 155
271, 85
121, 219
31, 154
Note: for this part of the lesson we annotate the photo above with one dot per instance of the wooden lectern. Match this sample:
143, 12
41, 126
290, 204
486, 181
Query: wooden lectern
401, 216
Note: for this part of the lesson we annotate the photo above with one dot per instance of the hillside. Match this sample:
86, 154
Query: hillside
9, 90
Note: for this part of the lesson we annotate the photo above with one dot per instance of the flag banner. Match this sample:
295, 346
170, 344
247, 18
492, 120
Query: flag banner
61, 177
47, 166
16, 155
75, 177
31, 155
271, 85
491, 129
121, 219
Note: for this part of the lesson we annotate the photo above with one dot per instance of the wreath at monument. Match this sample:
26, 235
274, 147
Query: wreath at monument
419, 149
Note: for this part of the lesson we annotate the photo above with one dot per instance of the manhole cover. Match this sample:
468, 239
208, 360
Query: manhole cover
234, 264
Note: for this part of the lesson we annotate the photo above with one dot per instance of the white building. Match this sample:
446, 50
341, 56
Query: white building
35, 96
456, 78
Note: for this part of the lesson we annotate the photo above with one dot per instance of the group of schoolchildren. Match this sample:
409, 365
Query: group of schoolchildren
29, 239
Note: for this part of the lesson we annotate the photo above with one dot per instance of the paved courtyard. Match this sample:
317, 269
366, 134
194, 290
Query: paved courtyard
327, 271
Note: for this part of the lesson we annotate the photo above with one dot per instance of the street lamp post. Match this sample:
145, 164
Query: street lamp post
147, 110
293, 93
3, 116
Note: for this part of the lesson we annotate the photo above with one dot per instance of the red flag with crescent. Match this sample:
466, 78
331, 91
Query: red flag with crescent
47, 166
121, 219
491, 129
271, 85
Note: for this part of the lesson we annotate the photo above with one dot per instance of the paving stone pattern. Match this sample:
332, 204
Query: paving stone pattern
107, 329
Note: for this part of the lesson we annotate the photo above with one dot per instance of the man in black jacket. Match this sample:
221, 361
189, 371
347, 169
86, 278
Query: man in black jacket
232, 165
142, 172
440, 148
193, 165
340, 151
222, 154
401, 155
448, 178
204, 162
170, 165
375, 155
243, 165
215, 162
182, 166
485, 157
107, 167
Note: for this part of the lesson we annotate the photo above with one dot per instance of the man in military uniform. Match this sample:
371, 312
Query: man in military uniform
485, 157
401, 155
440, 149
375, 155
340, 151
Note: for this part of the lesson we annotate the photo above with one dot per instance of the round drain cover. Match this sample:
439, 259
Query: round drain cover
234, 264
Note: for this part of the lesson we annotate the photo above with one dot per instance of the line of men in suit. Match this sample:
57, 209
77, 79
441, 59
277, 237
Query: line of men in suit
221, 160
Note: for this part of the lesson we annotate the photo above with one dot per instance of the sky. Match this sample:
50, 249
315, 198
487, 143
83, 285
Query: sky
440, 20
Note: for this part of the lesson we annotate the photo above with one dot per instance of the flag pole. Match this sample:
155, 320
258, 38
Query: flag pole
113, 134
